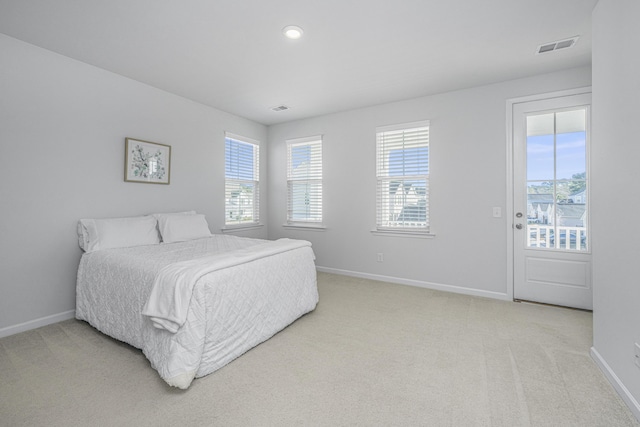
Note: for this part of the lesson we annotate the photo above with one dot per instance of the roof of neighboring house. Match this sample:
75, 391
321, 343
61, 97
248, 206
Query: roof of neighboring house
540, 198
571, 210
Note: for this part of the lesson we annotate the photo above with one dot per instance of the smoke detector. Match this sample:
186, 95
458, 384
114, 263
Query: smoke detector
280, 108
557, 45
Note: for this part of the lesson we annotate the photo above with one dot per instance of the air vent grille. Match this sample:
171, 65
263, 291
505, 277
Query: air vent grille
280, 108
557, 45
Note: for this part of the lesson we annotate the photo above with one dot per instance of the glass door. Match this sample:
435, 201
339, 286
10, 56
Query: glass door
551, 245
557, 201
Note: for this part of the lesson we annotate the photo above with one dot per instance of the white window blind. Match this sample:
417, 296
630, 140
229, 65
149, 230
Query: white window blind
304, 181
402, 170
242, 189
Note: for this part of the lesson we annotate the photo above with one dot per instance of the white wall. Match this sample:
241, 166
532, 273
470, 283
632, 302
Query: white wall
62, 130
468, 178
62, 141
616, 151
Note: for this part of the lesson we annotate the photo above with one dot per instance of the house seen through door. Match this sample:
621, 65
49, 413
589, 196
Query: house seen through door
551, 234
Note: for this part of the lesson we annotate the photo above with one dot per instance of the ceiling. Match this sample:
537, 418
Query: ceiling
231, 54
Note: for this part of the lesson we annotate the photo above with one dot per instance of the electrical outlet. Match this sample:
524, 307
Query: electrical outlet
637, 354
380, 257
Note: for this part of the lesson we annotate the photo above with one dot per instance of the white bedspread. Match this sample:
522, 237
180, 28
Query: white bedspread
233, 306
168, 303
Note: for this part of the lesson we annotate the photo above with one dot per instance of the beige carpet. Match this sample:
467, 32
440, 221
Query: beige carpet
372, 353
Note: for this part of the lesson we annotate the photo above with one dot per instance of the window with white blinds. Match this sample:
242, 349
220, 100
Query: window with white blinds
402, 170
242, 180
304, 181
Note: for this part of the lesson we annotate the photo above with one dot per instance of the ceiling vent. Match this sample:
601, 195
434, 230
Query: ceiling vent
280, 108
560, 44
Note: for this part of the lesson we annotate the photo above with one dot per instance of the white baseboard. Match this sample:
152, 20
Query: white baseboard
418, 283
37, 323
624, 393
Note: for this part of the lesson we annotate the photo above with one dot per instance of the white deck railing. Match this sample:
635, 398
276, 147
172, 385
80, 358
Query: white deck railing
543, 236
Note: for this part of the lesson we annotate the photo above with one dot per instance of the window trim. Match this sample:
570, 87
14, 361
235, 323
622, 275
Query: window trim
305, 223
241, 227
235, 226
402, 231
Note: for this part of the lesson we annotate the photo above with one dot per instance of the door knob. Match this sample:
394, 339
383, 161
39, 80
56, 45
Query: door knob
519, 226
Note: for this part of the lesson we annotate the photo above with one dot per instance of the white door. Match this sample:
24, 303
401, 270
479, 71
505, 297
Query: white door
551, 236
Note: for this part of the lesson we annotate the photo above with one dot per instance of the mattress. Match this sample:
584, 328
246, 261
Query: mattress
252, 290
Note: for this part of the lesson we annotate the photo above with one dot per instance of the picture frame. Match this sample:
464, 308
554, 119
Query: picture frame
147, 162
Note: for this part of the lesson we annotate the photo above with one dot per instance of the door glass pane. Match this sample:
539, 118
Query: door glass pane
540, 147
571, 142
557, 180
540, 160
540, 202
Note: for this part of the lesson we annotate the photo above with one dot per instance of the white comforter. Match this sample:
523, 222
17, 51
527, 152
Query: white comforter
236, 293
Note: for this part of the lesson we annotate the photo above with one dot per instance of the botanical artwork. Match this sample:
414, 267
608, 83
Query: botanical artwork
146, 164
147, 161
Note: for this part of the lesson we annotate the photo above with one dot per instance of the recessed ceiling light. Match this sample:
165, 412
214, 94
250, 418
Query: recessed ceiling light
292, 32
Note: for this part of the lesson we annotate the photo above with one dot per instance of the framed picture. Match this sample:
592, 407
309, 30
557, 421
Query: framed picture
146, 161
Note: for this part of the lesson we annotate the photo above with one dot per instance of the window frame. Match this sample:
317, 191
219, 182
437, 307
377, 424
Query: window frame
384, 146
237, 181
314, 177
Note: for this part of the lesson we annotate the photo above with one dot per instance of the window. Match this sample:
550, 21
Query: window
402, 170
241, 156
304, 181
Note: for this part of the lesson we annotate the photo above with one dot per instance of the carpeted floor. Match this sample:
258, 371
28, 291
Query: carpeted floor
372, 353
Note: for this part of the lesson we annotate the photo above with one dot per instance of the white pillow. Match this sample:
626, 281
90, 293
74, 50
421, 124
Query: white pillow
178, 228
160, 215
96, 234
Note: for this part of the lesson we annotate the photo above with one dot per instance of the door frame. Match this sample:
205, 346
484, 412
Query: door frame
509, 209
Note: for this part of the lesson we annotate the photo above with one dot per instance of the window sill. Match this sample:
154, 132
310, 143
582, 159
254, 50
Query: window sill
243, 227
300, 226
404, 233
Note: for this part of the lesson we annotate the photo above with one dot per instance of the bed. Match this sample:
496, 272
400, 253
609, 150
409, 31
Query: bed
191, 301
